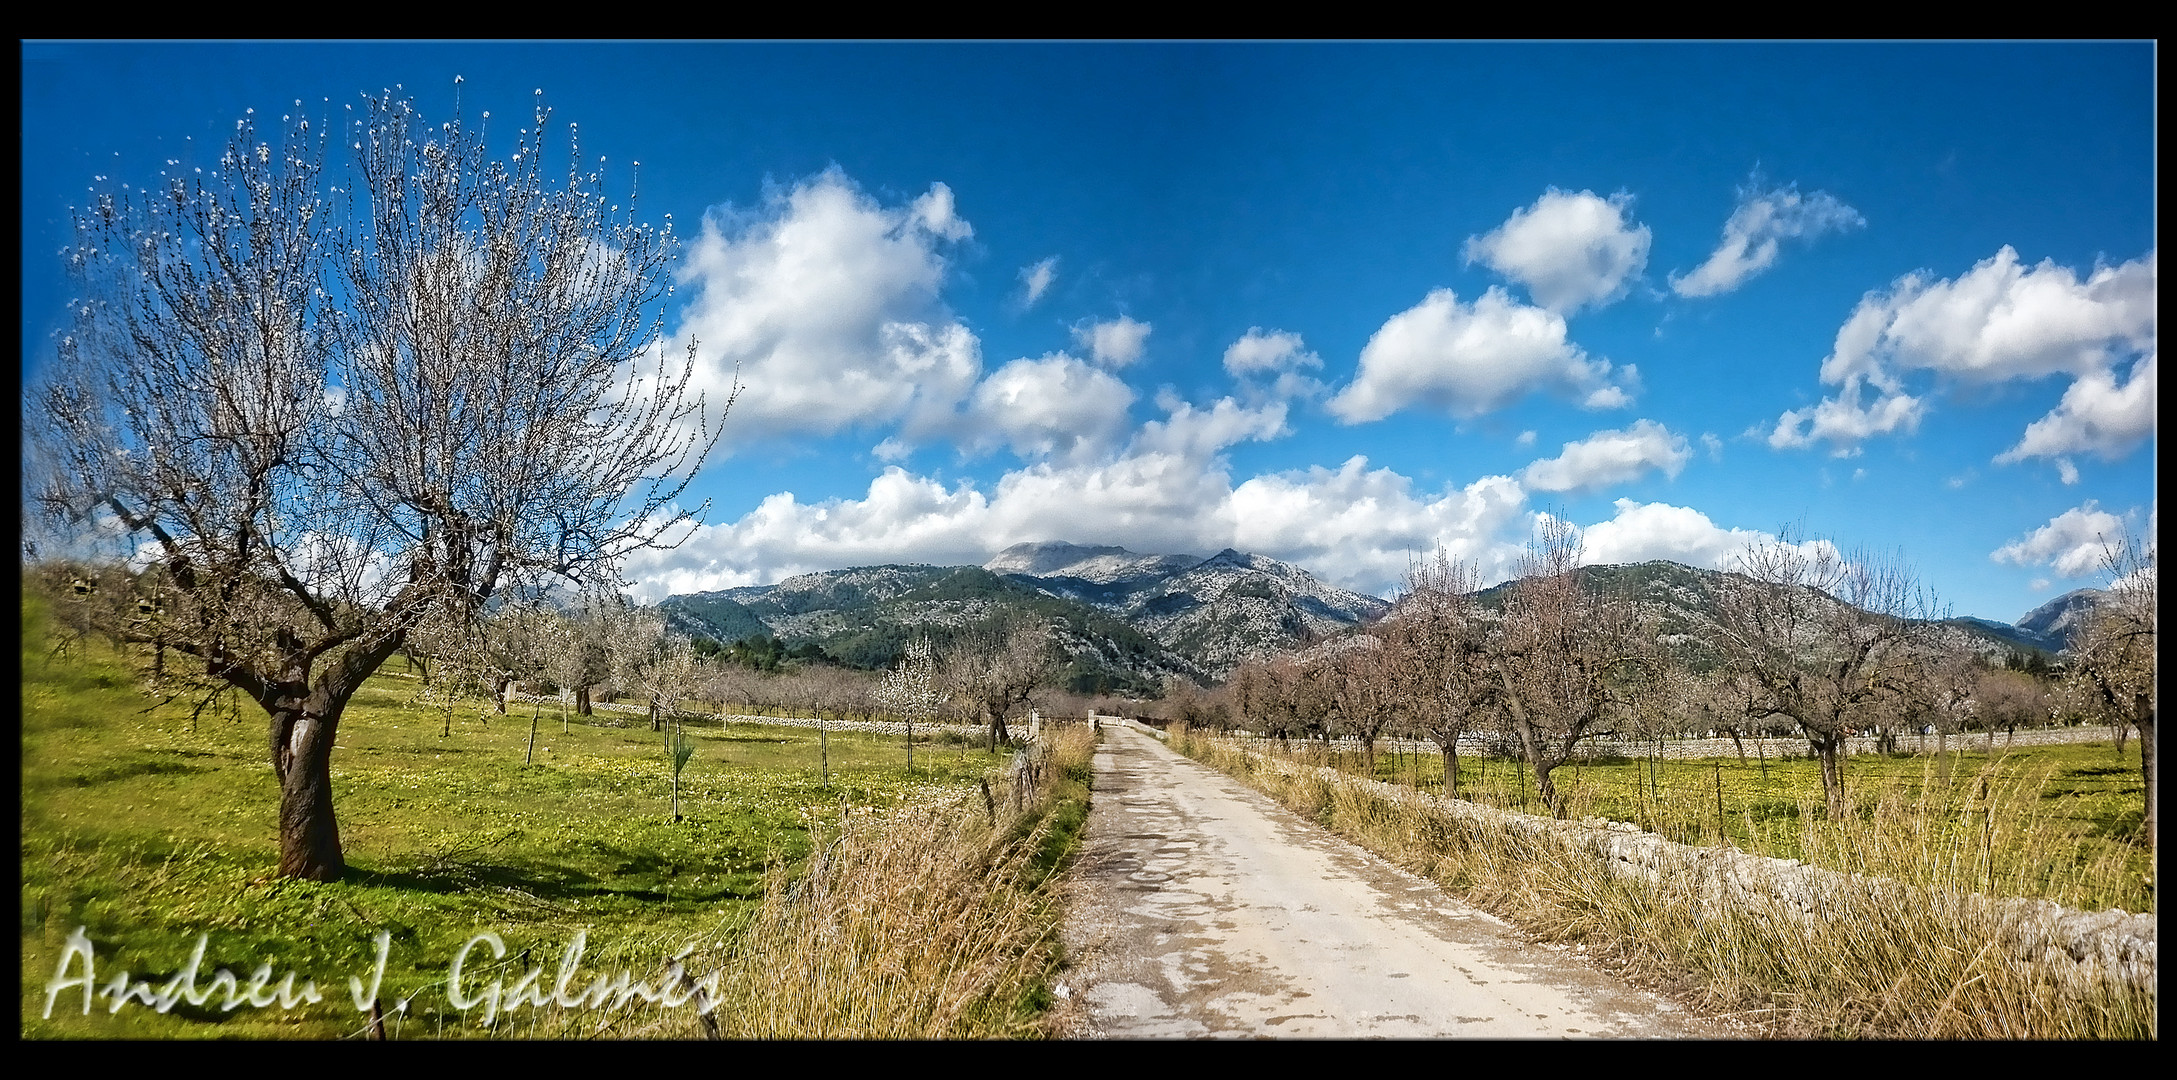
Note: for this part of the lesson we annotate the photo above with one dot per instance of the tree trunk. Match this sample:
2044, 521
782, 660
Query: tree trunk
1451, 769
582, 701
302, 749
998, 734
505, 684
655, 724
1825, 748
1531, 745
2145, 723
1546, 788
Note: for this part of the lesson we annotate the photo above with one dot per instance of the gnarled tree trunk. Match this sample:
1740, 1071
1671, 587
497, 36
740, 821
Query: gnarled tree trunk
302, 750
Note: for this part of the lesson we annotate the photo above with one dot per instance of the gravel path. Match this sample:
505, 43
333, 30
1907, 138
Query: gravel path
1202, 909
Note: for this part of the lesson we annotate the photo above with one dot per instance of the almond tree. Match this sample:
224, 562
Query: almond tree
646, 661
328, 402
998, 668
2113, 661
2008, 699
1567, 657
1359, 680
1443, 671
1827, 641
573, 662
912, 689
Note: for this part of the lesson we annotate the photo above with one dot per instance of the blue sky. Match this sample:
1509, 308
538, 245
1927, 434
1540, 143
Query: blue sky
1333, 304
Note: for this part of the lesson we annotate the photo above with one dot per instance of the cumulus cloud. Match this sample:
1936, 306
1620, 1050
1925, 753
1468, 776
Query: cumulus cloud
1167, 489
903, 518
1471, 359
2072, 543
1268, 365
1036, 280
1643, 532
1170, 489
1843, 422
829, 304
1610, 457
1363, 527
1259, 353
1188, 431
1753, 235
1057, 405
1569, 249
1116, 343
2001, 320
2096, 416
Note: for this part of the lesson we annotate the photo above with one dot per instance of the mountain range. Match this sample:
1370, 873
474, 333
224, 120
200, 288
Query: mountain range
1127, 621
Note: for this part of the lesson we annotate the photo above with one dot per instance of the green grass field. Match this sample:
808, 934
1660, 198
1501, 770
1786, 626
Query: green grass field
2052, 822
149, 829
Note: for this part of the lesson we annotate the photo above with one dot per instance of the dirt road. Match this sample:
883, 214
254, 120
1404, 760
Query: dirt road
1203, 909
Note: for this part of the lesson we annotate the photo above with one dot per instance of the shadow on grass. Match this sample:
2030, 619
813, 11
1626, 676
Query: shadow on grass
131, 769
640, 878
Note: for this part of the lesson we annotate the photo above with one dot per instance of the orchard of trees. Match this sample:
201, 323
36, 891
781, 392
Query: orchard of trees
1807, 641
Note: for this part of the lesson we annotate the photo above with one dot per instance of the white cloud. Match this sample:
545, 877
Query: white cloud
1471, 359
1054, 406
934, 213
829, 303
1751, 237
1257, 353
2095, 416
1568, 249
1999, 321
1187, 431
1169, 489
1166, 490
1843, 422
1642, 532
1610, 457
1036, 280
1116, 343
1713, 445
903, 518
2072, 543
1526, 438
1363, 527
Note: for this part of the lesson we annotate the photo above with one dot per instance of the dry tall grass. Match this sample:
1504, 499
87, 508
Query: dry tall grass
1917, 956
936, 921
